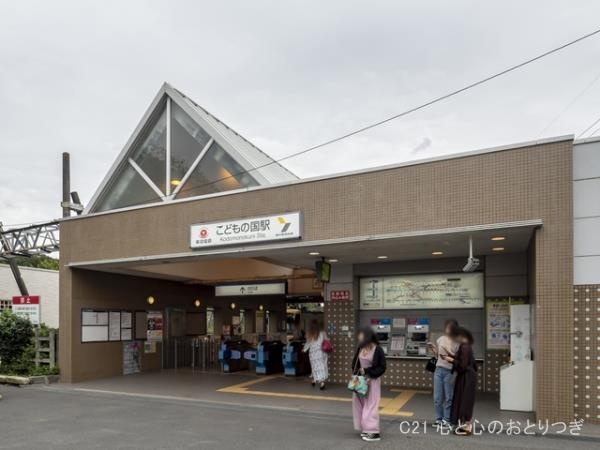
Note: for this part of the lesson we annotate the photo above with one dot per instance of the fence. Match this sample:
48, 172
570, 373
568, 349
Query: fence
199, 353
45, 348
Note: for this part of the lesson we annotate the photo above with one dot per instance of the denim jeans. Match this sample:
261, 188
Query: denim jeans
443, 391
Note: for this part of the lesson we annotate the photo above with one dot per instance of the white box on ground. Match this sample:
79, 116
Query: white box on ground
516, 386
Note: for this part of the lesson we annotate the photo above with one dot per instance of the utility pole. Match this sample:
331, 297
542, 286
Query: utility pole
66, 184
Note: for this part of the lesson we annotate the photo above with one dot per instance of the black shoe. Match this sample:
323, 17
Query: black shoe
322, 386
313, 384
370, 437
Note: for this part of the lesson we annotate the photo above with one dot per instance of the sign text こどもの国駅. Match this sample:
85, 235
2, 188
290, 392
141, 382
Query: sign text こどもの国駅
252, 230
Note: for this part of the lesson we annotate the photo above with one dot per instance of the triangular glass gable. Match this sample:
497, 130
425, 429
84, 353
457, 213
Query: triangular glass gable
194, 163
151, 154
217, 172
128, 189
188, 140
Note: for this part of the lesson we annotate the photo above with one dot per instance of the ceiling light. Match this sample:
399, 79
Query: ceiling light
497, 249
382, 257
232, 306
332, 260
175, 182
498, 238
150, 300
437, 252
261, 307
197, 303
314, 253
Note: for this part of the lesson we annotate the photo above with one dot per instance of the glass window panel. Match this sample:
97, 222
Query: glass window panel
216, 165
151, 153
187, 141
128, 189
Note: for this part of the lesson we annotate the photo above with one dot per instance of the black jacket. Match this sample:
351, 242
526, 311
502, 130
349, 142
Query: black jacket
377, 368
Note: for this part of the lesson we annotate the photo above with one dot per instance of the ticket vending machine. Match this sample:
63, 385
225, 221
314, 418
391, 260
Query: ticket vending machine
383, 331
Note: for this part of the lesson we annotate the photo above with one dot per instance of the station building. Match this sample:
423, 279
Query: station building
196, 229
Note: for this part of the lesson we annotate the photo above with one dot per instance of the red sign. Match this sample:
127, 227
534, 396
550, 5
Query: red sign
339, 295
27, 300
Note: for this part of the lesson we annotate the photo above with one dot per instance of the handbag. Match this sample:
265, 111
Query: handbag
431, 364
326, 346
358, 383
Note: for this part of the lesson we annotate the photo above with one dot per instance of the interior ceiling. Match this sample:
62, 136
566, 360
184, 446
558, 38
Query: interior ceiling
296, 262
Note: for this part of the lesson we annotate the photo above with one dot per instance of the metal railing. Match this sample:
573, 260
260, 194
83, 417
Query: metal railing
199, 353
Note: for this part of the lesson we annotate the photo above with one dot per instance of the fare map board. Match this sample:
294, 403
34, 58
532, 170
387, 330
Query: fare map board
433, 291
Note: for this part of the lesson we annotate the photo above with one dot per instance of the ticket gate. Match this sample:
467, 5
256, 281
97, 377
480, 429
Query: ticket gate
295, 361
269, 357
231, 355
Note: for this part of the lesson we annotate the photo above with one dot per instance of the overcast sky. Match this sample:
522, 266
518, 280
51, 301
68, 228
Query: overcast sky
77, 76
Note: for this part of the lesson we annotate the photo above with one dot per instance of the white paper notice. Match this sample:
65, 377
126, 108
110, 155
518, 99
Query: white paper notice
125, 319
114, 326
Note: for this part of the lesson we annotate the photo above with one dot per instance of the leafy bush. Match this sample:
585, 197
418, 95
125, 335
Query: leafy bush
15, 337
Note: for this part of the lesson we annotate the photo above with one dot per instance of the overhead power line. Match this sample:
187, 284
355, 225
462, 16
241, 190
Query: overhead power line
594, 123
409, 111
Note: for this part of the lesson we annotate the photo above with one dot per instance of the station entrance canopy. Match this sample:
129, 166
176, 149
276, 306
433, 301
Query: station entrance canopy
180, 150
296, 259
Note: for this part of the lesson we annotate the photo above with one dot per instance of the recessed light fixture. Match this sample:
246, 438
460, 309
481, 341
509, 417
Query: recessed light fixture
497, 249
232, 306
498, 238
332, 260
150, 300
197, 303
382, 257
175, 182
437, 253
314, 253
261, 307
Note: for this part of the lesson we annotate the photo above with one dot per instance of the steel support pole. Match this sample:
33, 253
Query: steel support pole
66, 184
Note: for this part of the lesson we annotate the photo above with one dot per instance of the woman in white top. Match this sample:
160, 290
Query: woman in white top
318, 358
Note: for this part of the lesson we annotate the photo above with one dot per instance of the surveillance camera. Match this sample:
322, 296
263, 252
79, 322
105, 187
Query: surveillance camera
472, 264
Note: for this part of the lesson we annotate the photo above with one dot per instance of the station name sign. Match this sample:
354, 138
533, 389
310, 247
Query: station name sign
251, 230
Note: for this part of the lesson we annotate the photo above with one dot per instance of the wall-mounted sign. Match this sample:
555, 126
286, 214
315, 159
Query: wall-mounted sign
27, 307
449, 290
252, 230
232, 290
339, 295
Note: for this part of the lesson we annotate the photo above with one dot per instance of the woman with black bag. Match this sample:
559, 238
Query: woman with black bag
369, 361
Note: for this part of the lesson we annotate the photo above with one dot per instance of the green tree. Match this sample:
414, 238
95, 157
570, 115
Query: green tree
15, 336
38, 261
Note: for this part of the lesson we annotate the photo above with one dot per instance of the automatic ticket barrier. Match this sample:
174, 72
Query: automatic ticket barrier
295, 361
231, 355
269, 357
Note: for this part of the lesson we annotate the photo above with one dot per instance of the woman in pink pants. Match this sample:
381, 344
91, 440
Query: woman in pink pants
369, 361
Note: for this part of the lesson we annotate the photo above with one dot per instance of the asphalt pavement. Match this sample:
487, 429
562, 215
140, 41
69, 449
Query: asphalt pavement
42, 417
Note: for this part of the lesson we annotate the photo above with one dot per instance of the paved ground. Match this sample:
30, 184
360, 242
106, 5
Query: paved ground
41, 417
285, 392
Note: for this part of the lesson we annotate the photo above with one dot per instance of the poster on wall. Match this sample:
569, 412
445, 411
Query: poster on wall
114, 326
498, 322
154, 326
132, 362
443, 291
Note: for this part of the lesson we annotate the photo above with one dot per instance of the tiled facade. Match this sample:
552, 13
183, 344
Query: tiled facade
528, 183
586, 346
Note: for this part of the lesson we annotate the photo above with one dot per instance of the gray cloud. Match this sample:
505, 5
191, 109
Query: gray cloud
77, 76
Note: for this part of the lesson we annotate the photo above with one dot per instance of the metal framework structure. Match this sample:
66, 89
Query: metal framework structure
29, 241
